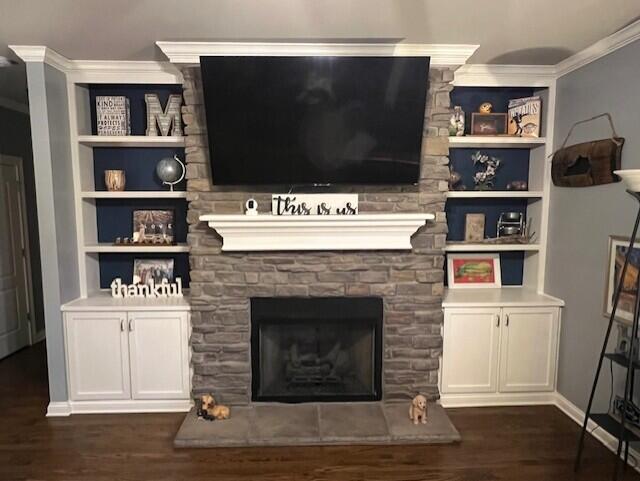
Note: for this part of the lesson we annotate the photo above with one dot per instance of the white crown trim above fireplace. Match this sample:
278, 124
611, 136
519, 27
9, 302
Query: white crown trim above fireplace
308, 233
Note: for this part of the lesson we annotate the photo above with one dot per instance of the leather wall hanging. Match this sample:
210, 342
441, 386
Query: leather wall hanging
588, 163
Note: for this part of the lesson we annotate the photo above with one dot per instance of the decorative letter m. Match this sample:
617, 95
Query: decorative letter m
157, 117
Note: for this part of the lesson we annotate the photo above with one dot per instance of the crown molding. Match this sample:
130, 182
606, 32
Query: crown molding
489, 75
599, 49
190, 52
42, 54
10, 104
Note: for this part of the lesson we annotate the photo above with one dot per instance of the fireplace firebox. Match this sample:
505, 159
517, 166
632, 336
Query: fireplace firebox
316, 349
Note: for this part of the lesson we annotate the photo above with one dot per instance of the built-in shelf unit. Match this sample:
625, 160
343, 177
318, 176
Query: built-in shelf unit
104, 215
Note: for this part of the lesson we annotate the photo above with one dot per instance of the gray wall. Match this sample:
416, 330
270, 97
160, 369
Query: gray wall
48, 104
581, 219
15, 139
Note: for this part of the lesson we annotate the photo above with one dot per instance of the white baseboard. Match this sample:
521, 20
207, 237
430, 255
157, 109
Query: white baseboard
118, 407
609, 441
495, 399
58, 409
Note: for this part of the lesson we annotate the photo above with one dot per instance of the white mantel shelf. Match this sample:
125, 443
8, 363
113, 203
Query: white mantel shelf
316, 232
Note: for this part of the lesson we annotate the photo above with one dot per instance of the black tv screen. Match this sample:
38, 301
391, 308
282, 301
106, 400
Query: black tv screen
315, 120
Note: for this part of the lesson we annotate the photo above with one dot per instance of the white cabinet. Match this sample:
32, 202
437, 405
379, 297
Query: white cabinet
127, 356
158, 349
97, 355
528, 349
471, 339
498, 355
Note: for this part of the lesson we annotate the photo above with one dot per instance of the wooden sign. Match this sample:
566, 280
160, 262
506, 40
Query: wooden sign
112, 115
314, 204
165, 119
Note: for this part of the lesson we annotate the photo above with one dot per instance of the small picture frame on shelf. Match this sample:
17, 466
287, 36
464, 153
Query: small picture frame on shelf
480, 270
146, 270
618, 246
474, 227
113, 117
488, 124
153, 226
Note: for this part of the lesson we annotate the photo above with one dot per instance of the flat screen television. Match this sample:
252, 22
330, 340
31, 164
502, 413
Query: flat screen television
315, 120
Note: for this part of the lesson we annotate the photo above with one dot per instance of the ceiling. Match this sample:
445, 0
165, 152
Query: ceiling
508, 31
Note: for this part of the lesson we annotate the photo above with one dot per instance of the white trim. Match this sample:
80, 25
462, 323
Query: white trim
599, 49
42, 54
58, 409
13, 105
496, 399
190, 52
316, 232
483, 75
67, 408
610, 442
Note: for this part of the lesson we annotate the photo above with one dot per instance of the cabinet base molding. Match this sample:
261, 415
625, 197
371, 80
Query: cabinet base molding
497, 399
57, 409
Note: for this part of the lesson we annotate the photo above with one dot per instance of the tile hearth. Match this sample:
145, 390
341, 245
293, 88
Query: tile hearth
272, 424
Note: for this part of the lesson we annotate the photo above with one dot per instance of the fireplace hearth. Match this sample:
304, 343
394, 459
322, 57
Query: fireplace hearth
316, 349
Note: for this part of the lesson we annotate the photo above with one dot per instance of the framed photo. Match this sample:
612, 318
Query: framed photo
618, 246
157, 269
473, 270
488, 124
474, 227
153, 226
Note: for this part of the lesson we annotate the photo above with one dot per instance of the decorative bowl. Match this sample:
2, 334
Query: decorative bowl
631, 178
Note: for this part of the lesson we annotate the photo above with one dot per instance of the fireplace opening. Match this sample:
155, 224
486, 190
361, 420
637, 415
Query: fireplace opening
316, 349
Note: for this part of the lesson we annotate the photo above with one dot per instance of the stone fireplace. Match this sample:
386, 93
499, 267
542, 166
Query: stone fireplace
226, 287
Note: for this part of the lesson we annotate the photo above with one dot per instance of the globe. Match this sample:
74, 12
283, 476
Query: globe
170, 170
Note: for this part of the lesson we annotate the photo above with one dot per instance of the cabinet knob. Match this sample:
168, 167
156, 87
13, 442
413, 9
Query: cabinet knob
122, 325
497, 320
506, 320
131, 326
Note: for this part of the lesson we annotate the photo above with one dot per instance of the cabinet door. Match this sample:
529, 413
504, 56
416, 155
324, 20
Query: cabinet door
470, 350
97, 355
159, 350
528, 349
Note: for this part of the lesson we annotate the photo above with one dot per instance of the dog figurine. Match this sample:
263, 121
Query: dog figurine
418, 410
211, 411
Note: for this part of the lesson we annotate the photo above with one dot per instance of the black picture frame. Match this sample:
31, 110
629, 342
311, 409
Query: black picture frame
488, 124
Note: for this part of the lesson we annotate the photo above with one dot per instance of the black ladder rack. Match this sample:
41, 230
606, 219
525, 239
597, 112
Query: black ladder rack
607, 422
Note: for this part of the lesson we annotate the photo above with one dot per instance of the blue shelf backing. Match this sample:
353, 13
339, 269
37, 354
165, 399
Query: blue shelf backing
135, 94
121, 265
470, 98
514, 165
139, 165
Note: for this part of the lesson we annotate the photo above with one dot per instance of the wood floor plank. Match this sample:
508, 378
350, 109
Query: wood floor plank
499, 444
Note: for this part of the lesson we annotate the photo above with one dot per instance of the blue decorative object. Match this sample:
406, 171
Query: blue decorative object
170, 171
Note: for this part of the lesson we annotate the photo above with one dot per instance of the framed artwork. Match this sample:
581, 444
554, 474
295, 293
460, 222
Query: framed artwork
474, 227
157, 269
488, 124
618, 246
473, 270
153, 226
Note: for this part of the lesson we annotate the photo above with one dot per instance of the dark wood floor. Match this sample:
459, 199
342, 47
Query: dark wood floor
507, 444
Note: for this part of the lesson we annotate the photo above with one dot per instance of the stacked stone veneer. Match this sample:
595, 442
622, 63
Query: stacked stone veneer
410, 282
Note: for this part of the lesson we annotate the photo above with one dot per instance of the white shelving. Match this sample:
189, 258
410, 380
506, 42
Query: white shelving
495, 194
107, 247
130, 141
133, 194
496, 142
511, 296
455, 247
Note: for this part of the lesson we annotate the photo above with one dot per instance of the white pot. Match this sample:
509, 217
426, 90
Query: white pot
631, 178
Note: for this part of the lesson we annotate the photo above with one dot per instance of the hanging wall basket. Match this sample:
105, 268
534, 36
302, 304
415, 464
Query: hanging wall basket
588, 163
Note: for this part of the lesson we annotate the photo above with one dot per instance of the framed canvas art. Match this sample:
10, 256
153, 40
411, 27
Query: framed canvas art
488, 124
473, 270
153, 225
618, 246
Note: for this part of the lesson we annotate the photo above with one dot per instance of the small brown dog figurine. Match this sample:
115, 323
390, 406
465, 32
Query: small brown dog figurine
211, 411
418, 409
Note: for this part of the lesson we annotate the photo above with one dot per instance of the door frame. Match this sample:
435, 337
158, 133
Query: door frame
34, 336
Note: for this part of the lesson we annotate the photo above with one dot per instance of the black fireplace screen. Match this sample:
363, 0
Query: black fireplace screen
317, 349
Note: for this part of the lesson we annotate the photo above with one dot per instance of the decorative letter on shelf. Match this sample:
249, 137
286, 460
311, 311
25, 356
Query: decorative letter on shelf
163, 118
